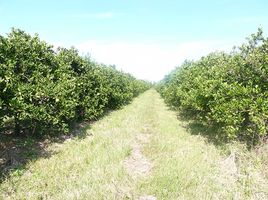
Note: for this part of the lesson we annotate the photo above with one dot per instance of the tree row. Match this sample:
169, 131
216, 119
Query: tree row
45, 91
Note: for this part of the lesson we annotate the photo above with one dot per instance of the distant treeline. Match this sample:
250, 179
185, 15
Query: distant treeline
45, 91
225, 90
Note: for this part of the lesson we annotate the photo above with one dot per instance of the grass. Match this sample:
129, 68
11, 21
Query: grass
189, 167
185, 166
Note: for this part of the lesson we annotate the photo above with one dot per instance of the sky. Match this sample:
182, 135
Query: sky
147, 38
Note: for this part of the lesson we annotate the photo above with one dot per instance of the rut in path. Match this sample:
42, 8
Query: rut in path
137, 165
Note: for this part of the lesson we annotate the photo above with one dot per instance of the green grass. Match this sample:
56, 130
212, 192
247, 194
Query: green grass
189, 167
185, 166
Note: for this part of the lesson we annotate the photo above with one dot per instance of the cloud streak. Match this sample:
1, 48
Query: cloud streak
101, 15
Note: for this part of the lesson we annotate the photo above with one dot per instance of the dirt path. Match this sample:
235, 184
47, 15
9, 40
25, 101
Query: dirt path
137, 165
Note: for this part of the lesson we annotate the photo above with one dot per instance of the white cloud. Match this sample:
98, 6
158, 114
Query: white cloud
101, 15
146, 60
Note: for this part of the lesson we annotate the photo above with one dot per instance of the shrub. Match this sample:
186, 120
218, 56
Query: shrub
226, 90
44, 91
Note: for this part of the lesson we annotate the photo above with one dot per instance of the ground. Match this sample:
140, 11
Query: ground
142, 151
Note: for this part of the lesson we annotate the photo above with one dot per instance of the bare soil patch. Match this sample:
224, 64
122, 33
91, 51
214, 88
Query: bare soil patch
137, 165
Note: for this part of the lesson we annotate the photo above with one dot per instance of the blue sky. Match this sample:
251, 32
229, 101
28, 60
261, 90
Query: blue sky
147, 38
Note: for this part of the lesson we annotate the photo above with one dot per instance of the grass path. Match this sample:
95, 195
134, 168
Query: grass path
140, 152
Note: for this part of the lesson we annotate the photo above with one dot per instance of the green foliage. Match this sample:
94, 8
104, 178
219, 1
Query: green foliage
45, 91
226, 90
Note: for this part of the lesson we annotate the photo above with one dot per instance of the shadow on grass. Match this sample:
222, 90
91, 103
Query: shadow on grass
210, 132
17, 151
194, 126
